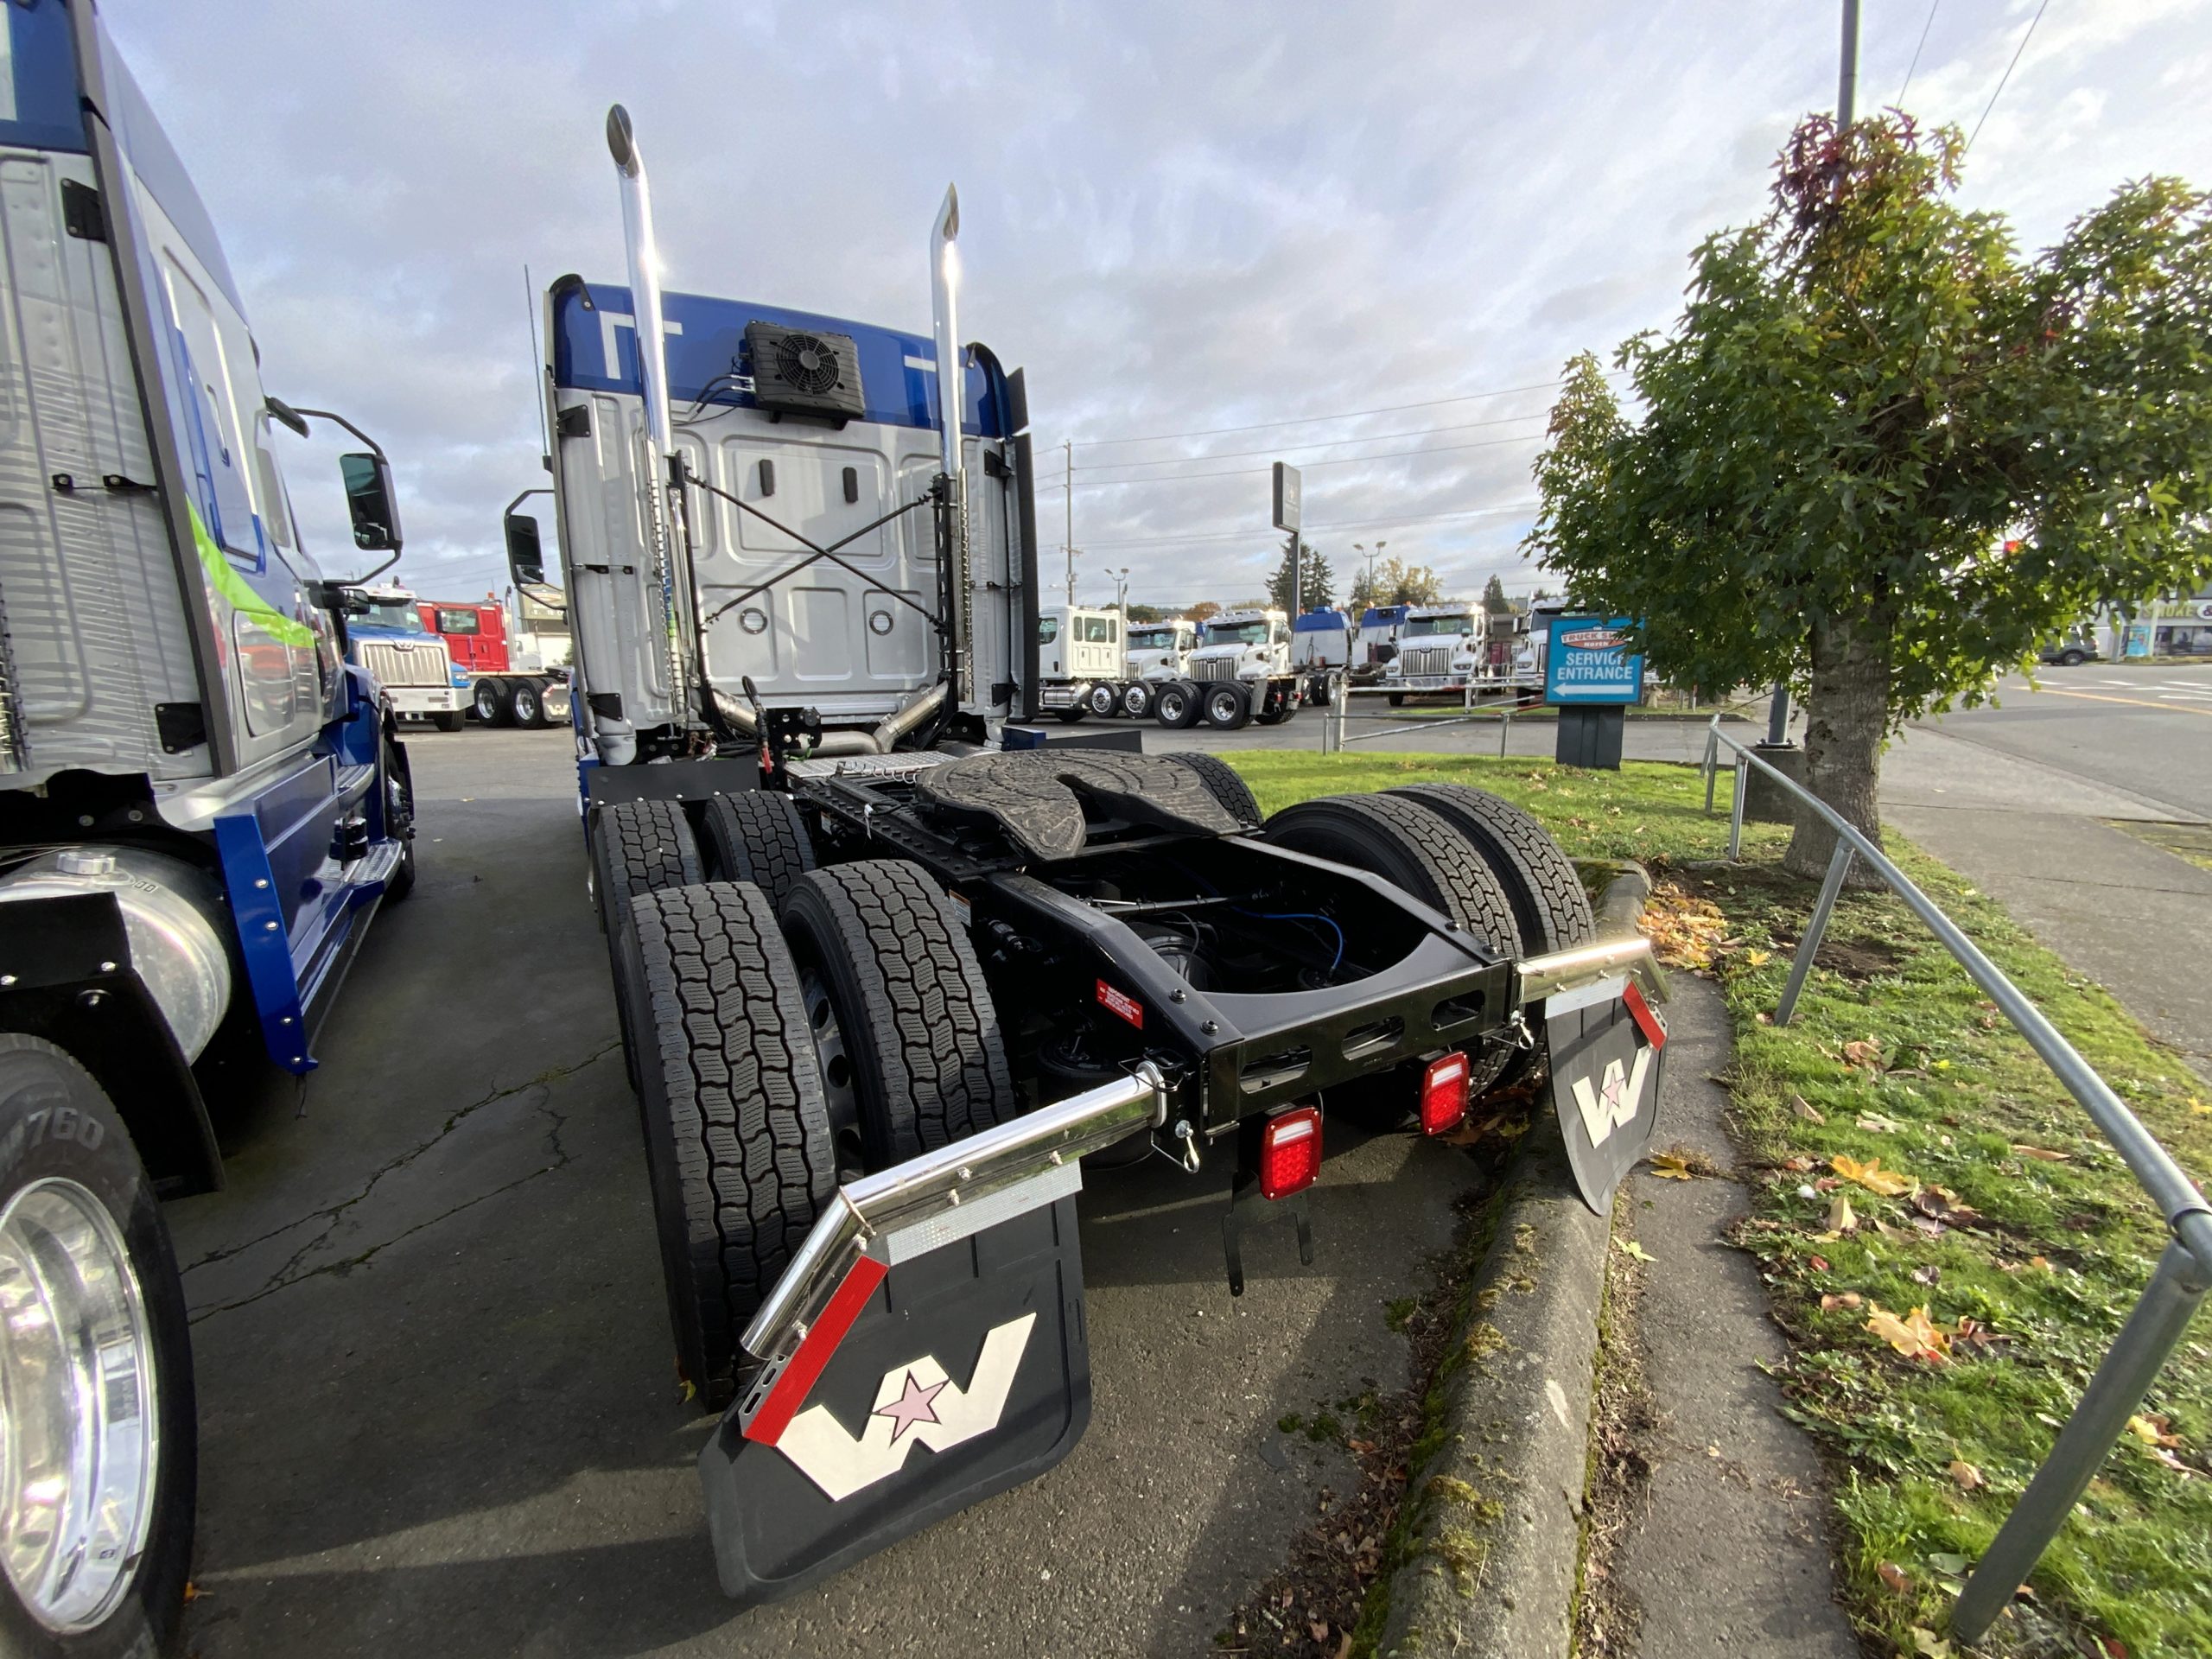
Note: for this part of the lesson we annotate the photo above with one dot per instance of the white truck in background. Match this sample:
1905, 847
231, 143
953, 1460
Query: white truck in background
1080, 666
1158, 652
1440, 649
1240, 672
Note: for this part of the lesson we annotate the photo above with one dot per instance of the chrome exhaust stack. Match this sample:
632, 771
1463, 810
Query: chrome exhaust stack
951, 392
657, 444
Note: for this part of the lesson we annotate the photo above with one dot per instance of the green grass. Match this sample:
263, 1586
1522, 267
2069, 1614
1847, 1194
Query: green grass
2063, 1250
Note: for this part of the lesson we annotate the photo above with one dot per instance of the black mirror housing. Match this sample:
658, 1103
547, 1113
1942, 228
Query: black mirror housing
525, 557
372, 501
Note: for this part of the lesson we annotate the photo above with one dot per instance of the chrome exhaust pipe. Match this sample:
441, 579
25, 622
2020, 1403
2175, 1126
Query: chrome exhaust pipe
882, 741
952, 393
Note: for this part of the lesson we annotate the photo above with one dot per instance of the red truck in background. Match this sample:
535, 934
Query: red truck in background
512, 670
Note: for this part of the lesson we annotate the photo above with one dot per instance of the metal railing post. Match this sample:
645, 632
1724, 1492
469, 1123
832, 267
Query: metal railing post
1735, 813
1504, 730
2151, 1333
1711, 761
1807, 947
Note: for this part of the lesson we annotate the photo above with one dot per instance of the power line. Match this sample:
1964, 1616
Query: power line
1915, 64
1268, 536
2009, 68
1346, 415
1326, 443
1262, 472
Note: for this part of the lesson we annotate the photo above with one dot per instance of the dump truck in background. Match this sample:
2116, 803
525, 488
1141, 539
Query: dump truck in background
510, 670
203, 804
896, 971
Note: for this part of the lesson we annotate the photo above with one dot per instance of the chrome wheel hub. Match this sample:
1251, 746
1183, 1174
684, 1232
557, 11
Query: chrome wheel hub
79, 1407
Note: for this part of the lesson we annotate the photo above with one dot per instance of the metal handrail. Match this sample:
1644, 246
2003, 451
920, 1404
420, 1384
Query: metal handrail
2177, 1286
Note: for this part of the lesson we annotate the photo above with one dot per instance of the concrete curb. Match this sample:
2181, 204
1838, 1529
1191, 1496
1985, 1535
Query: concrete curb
1489, 1541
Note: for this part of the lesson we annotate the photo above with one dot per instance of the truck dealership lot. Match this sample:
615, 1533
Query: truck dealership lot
437, 1403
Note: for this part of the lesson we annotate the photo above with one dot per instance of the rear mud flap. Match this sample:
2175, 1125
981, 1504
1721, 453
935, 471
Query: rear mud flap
1608, 1053
965, 1372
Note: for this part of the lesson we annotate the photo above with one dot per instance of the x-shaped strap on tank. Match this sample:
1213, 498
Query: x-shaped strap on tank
815, 550
923, 1386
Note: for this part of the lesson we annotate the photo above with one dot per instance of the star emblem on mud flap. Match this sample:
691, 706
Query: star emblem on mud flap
915, 1404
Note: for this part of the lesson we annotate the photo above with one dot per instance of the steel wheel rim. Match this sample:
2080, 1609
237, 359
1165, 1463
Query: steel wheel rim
487, 704
526, 707
837, 1068
79, 1407
1222, 706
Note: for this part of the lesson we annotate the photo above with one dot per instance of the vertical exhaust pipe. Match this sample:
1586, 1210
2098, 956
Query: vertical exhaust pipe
643, 259
952, 394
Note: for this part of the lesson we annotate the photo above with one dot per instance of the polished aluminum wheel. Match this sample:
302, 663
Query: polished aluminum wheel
79, 1407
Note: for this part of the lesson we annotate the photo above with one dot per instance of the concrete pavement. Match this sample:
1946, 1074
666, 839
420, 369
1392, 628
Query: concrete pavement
437, 1397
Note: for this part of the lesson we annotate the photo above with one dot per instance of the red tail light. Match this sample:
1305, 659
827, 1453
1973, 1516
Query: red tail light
1443, 1095
1290, 1153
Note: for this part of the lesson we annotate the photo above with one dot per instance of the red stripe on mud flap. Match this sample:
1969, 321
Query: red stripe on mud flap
1640, 1011
814, 1350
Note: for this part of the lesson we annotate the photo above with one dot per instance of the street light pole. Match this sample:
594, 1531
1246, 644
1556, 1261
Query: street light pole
1067, 449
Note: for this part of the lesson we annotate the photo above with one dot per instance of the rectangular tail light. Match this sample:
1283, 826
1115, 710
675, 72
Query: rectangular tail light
1444, 1094
1290, 1152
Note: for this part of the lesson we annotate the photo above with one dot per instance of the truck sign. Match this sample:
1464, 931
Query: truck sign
1588, 662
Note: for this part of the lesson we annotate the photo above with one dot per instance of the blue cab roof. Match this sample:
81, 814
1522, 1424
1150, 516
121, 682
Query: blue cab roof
1321, 622
898, 370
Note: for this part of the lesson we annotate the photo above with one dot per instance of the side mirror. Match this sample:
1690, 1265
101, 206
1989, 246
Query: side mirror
372, 501
525, 558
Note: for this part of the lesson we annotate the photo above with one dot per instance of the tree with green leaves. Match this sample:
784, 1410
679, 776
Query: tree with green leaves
1145, 613
1881, 456
1317, 586
1494, 600
1395, 582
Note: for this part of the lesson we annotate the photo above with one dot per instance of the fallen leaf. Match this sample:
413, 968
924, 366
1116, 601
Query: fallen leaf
1320, 1629
1871, 1175
1875, 1123
2039, 1261
1967, 1475
1842, 1219
1805, 1109
1925, 1224
1938, 1205
1847, 1299
1867, 1054
2151, 1431
191, 1591
1670, 1166
1894, 1576
1978, 1336
1797, 1163
1929, 1645
1930, 1274
1915, 1336
2044, 1154
1904, 1235
1629, 1246
1363, 1447
1818, 1263
2113, 1646
1344, 1647
1827, 1183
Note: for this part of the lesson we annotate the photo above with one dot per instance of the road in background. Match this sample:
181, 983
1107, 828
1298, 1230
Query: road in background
437, 1398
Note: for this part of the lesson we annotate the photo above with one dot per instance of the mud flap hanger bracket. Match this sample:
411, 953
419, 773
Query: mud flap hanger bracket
874, 1223
1537, 979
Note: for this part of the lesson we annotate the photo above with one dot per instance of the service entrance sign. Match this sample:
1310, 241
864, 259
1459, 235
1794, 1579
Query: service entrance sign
1587, 662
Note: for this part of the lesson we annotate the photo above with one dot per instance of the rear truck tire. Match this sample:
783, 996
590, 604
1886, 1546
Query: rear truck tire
757, 836
737, 1132
1136, 700
1318, 695
1227, 706
1550, 904
1175, 705
1223, 783
895, 992
1105, 700
489, 702
637, 848
528, 708
1413, 848
1074, 710
450, 722
82, 1243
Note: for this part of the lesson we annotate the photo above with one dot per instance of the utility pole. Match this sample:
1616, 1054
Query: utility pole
1846, 97
1067, 447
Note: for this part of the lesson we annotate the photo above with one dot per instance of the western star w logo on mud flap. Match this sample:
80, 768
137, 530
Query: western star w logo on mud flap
916, 1405
964, 1371
1608, 1055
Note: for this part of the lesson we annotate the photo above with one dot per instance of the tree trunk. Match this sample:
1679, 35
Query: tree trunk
1846, 717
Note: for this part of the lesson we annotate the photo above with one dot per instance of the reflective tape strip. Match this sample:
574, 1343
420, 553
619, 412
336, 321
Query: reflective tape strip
1647, 1022
814, 1352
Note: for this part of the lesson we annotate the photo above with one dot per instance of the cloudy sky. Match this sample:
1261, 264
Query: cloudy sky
1214, 234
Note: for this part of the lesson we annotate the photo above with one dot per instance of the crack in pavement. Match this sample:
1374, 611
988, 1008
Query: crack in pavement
285, 1276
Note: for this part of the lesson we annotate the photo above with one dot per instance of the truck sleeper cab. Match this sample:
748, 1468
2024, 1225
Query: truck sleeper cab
202, 806
964, 958
1439, 649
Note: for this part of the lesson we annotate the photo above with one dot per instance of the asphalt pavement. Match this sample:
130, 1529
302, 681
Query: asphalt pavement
438, 1403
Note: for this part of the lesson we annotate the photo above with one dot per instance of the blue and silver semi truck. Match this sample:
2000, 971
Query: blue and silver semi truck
894, 965
202, 804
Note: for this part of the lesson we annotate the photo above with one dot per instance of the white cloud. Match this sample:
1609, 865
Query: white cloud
1176, 216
